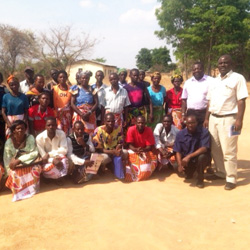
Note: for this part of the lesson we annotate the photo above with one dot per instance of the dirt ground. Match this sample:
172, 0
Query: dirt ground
161, 213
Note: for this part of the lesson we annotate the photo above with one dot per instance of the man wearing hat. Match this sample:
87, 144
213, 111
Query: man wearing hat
29, 80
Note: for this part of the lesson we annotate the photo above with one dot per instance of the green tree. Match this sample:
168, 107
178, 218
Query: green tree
100, 59
205, 29
144, 59
160, 59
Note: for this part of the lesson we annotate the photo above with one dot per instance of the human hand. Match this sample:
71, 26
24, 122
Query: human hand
181, 169
238, 125
13, 163
185, 160
45, 158
205, 123
88, 163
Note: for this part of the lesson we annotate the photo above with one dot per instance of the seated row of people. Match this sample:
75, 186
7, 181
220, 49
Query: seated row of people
133, 158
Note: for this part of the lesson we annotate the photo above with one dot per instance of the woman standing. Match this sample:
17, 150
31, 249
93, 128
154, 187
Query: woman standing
173, 100
157, 94
21, 162
137, 92
61, 101
84, 103
14, 105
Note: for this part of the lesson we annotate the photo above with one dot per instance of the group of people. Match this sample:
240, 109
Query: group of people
135, 127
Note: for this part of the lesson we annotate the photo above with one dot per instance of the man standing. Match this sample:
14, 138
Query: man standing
99, 89
53, 81
225, 114
194, 93
192, 147
116, 100
29, 80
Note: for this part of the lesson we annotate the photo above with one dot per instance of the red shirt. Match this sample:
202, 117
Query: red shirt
140, 140
38, 118
173, 100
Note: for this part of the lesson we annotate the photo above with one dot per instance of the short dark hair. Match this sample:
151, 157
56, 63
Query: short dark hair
168, 116
50, 118
44, 93
132, 70
62, 71
17, 123
199, 63
38, 75
108, 114
78, 122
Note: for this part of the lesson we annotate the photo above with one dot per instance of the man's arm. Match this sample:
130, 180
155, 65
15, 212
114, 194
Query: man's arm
183, 108
187, 158
206, 121
241, 110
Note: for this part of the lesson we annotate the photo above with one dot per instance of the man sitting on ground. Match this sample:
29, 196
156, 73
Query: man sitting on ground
108, 140
192, 147
79, 148
52, 146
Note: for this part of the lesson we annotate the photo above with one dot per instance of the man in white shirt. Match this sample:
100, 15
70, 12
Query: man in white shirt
194, 93
53, 148
116, 100
225, 113
29, 80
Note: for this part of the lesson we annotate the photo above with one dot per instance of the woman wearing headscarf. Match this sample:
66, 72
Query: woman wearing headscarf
14, 104
173, 100
157, 94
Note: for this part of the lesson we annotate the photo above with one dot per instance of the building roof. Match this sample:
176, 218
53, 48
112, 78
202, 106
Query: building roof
92, 61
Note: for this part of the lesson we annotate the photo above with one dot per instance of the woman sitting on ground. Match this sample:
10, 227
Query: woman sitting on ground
165, 134
21, 161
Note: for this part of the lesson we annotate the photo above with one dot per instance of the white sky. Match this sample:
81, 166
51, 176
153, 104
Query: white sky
122, 27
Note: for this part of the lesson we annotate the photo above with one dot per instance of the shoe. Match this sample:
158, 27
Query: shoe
188, 177
210, 170
200, 184
229, 186
214, 177
59, 182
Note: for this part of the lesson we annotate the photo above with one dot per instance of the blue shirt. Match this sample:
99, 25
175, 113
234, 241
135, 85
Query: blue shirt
186, 143
157, 98
82, 96
15, 105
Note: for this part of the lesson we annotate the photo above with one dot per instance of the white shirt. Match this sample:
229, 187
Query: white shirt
116, 102
162, 139
196, 91
56, 146
225, 92
75, 159
24, 87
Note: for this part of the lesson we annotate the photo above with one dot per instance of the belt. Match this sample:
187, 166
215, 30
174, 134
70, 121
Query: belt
197, 110
220, 116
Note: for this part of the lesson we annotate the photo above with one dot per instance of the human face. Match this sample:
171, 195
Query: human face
14, 86
19, 131
44, 101
51, 127
29, 74
53, 74
224, 65
177, 82
156, 80
134, 75
84, 80
113, 79
123, 76
191, 124
99, 76
110, 122
62, 78
198, 71
167, 122
79, 130
140, 124
141, 75
39, 83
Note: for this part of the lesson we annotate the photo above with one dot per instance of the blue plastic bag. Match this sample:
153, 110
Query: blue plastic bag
118, 167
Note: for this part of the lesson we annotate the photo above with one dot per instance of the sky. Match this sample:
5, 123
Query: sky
122, 27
